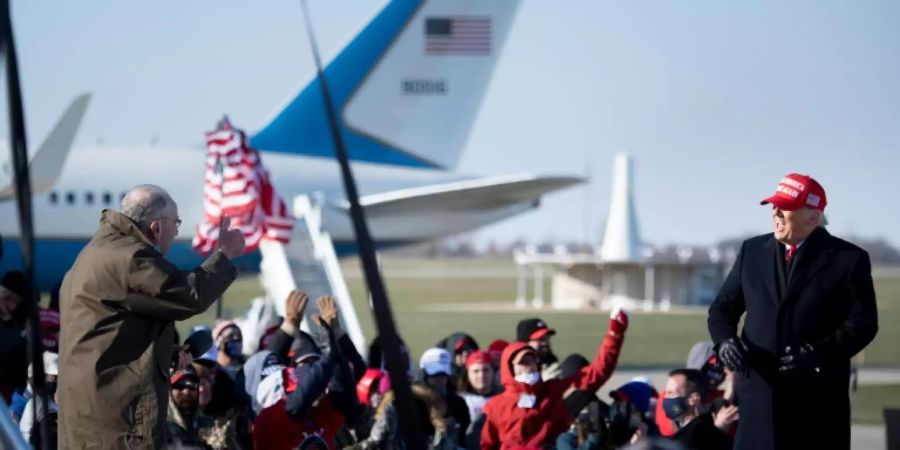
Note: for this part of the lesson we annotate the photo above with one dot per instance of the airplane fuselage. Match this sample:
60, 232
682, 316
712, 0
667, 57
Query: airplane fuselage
95, 178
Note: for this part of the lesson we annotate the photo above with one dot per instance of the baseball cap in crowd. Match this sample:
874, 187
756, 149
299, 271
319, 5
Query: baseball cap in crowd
638, 392
532, 330
572, 365
435, 361
495, 349
479, 357
49, 328
374, 380
303, 348
796, 191
465, 343
185, 378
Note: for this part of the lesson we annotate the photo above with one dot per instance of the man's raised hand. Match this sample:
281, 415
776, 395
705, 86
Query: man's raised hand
294, 306
328, 313
231, 242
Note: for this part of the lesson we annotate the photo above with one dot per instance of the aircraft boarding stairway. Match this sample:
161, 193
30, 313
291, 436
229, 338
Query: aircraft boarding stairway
308, 263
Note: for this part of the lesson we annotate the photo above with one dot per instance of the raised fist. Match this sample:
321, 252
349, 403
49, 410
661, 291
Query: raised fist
231, 242
618, 320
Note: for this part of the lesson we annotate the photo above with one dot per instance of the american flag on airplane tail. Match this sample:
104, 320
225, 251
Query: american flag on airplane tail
237, 185
458, 35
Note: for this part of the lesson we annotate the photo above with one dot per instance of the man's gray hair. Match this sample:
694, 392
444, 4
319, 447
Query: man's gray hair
144, 203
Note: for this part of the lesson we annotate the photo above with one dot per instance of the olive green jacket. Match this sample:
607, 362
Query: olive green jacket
117, 307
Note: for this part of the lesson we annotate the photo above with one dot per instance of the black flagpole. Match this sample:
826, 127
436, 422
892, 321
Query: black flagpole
220, 172
22, 182
387, 331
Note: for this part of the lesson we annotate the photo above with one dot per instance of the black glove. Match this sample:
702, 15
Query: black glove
805, 358
733, 354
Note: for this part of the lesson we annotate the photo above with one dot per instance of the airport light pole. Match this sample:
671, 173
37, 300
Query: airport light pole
22, 181
387, 331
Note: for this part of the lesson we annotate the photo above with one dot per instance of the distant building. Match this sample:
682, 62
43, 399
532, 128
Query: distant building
622, 271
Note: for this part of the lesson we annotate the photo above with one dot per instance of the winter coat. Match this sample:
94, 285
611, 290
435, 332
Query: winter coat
184, 431
118, 303
509, 426
701, 434
824, 298
308, 416
476, 403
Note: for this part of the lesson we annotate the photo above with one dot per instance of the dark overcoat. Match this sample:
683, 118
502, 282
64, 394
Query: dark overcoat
825, 298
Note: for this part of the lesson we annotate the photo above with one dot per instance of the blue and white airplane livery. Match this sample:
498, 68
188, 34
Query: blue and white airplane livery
407, 87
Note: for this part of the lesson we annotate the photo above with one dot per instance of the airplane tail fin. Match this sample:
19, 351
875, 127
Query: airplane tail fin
407, 87
48, 161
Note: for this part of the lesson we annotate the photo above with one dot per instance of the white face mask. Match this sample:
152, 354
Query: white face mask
530, 378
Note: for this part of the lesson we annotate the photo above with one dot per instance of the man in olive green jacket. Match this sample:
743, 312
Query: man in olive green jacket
118, 303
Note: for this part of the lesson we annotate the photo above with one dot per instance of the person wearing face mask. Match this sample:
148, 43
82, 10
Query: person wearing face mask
808, 305
436, 367
118, 304
537, 334
698, 427
229, 341
530, 412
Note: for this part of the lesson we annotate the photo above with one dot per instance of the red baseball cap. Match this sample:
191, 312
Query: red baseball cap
478, 357
796, 191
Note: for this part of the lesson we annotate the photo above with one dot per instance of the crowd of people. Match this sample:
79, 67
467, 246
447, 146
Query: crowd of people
315, 390
118, 375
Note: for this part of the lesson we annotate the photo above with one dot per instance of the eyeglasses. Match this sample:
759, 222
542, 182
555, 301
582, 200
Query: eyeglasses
177, 221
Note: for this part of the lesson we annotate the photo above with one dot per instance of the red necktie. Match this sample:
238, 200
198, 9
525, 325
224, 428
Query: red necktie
789, 254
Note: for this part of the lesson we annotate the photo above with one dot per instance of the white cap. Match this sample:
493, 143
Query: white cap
435, 361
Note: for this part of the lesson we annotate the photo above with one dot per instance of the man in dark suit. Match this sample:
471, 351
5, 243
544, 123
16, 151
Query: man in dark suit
810, 306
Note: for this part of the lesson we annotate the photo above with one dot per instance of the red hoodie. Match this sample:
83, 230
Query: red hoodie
510, 427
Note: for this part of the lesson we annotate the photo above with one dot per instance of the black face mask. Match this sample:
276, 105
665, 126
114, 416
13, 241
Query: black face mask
675, 407
233, 348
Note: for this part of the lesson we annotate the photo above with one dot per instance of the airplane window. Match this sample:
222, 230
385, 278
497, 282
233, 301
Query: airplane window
70, 197
89, 198
54, 197
107, 198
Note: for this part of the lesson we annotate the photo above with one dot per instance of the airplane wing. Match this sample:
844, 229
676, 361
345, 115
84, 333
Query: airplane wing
479, 194
47, 163
424, 213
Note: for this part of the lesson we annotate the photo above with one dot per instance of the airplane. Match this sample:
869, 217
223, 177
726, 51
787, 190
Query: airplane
407, 86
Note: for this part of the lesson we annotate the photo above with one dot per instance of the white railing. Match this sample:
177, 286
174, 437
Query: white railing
325, 254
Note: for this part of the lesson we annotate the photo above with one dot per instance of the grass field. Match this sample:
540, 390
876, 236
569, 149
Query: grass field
417, 286
417, 289
868, 403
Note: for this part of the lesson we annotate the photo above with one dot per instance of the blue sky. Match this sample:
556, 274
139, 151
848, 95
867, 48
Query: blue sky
715, 100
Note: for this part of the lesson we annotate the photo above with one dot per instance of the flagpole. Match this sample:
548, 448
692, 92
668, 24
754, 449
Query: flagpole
220, 173
387, 331
22, 180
